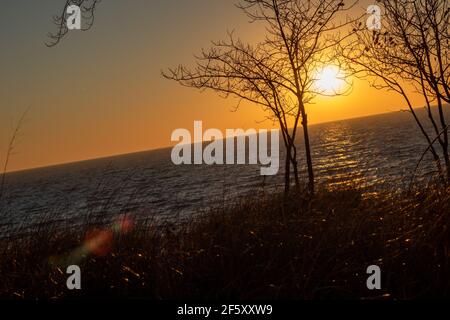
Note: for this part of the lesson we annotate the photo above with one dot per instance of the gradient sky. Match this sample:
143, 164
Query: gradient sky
100, 93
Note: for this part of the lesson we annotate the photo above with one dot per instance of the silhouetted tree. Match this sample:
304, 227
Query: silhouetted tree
279, 72
411, 49
249, 73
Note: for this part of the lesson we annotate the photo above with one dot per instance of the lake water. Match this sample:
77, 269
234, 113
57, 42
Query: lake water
371, 151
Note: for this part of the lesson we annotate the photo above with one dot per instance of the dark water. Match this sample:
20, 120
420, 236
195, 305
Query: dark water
372, 151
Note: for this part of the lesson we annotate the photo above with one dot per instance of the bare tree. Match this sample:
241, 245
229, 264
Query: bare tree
249, 73
411, 50
279, 73
87, 14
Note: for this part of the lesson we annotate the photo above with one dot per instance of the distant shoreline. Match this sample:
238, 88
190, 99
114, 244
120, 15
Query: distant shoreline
51, 166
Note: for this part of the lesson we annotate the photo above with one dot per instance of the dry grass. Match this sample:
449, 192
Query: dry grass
263, 248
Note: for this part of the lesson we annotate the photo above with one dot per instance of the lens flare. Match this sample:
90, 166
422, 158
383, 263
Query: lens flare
97, 242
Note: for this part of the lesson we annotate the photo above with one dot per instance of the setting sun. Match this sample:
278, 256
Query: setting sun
330, 80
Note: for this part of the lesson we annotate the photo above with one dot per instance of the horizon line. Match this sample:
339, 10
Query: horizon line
51, 165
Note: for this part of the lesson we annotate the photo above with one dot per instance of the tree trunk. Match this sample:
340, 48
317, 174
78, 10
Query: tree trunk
287, 168
295, 164
308, 152
287, 172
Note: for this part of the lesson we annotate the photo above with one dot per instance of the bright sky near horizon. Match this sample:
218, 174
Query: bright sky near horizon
101, 93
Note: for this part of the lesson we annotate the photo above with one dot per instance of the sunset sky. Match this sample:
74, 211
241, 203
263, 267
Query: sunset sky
100, 93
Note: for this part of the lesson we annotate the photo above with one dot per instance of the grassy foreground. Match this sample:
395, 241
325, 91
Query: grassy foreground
269, 247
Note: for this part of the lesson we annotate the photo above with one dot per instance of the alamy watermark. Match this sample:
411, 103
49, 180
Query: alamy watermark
236, 146
374, 20
74, 280
74, 17
374, 280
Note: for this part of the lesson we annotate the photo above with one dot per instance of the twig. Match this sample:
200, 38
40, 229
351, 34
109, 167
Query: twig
424, 153
10, 150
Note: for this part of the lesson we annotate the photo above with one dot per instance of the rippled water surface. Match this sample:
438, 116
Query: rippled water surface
370, 151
